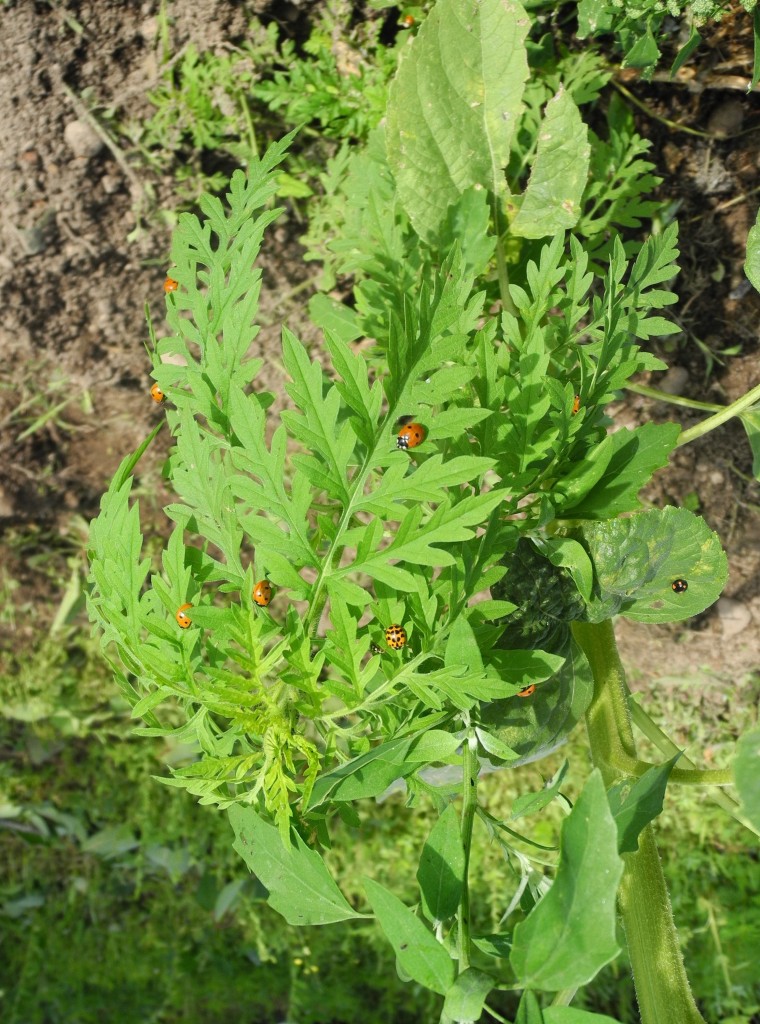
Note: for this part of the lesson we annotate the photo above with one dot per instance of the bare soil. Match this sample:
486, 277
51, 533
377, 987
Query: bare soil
82, 251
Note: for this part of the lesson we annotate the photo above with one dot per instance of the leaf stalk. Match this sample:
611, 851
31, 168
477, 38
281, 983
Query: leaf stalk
712, 422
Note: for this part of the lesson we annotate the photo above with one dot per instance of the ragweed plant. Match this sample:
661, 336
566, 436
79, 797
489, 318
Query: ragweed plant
419, 569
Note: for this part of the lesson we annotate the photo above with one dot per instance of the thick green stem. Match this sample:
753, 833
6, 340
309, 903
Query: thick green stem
470, 768
662, 988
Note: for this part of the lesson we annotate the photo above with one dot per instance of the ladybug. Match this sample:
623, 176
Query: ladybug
408, 20
262, 593
679, 586
527, 691
395, 636
576, 404
410, 436
183, 619
170, 285
157, 394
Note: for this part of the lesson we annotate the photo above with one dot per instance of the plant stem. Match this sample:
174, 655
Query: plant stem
470, 767
734, 409
662, 987
664, 743
663, 396
673, 125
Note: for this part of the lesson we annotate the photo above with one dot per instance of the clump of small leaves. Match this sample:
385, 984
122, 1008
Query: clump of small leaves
213, 106
638, 24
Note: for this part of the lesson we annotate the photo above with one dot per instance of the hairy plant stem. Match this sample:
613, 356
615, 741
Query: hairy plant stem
662, 987
470, 767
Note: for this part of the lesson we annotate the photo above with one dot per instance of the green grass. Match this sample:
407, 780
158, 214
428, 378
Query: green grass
118, 875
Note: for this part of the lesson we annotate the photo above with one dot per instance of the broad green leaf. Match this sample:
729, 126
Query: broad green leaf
644, 52
367, 775
532, 727
608, 482
752, 263
529, 1010
569, 1015
593, 16
570, 935
496, 945
747, 774
531, 803
441, 870
454, 105
299, 884
521, 668
462, 646
434, 745
552, 199
634, 806
419, 954
637, 560
571, 555
467, 226
494, 746
466, 997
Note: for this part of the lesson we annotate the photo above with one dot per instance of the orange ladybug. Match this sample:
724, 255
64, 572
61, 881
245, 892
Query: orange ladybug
576, 404
410, 435
408, 20
262, 593
527, 691
170, 285
395, 636
157, 394
183, 619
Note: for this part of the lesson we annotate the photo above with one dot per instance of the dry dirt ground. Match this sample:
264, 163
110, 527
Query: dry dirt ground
82, 251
